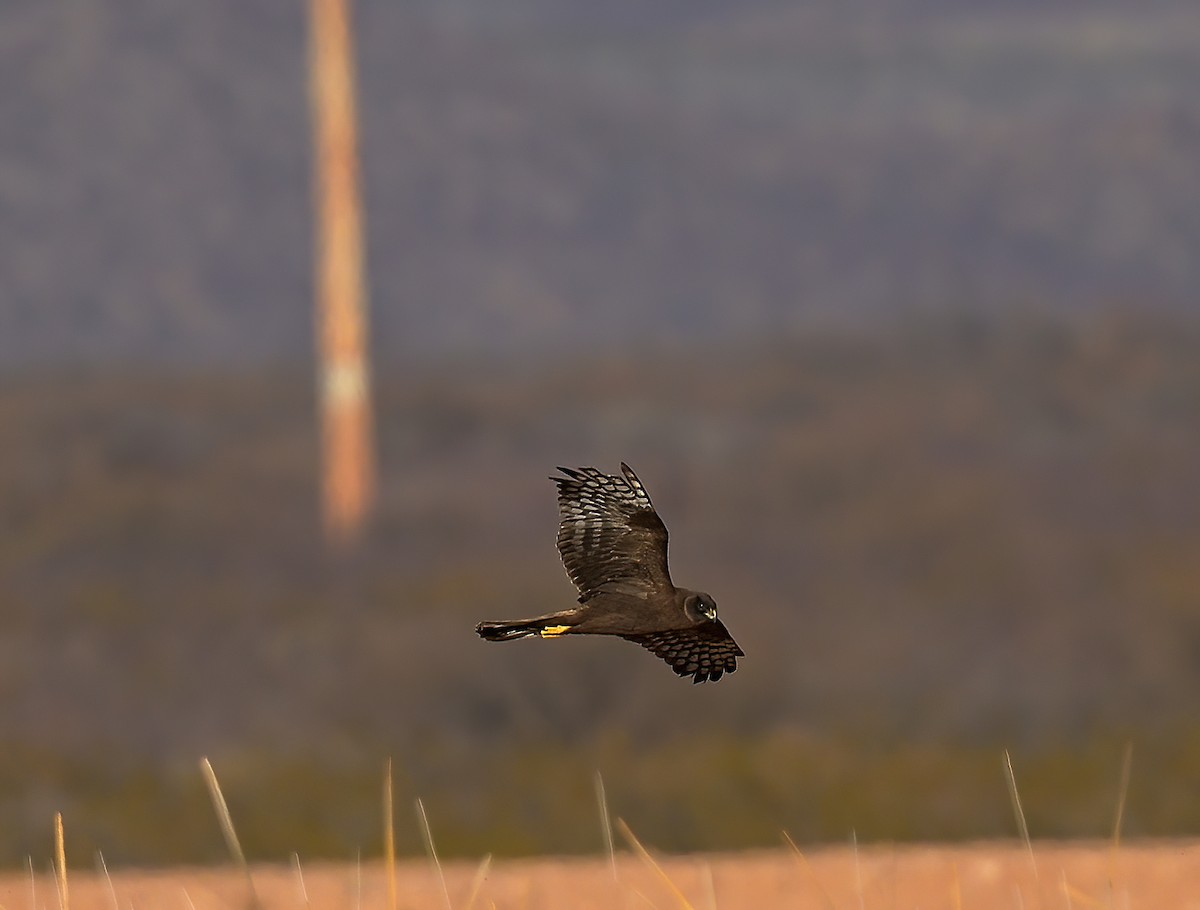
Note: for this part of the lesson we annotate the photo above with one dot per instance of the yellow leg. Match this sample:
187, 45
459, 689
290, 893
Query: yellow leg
553, 631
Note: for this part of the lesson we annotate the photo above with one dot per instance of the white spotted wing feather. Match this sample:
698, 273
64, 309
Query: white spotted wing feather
609, 535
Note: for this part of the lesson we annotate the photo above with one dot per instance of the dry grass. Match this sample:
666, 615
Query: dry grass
1105, 875
986, 876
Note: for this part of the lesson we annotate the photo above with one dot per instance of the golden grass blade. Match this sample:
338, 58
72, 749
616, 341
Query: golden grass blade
606, 825
112, 892
300, 887
60, 862
32, 883
427, 835
649, 860
955, 888
477, 882
858, 883
892, 875
227, 830
389, 836
804, 864
187, 897
1122, 794
710, 888
1019, 812
1071, 892
358, 880
1119, 819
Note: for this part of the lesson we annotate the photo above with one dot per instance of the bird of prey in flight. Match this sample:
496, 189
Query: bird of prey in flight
614, 548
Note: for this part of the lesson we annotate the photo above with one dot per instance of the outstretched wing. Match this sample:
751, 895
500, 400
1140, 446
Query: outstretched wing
705, 652
609, 536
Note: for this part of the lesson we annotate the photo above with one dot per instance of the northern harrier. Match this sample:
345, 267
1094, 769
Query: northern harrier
614, 547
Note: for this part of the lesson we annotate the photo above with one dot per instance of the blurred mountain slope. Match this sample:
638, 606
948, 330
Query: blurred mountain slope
551, 175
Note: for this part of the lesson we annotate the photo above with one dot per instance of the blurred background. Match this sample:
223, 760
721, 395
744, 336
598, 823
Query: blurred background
892, 304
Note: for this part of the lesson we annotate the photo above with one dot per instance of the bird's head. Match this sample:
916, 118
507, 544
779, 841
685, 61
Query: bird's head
700, 607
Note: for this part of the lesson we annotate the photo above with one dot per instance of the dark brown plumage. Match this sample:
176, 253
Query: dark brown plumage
614, 548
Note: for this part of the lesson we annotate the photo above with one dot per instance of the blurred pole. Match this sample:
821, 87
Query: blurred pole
348, 467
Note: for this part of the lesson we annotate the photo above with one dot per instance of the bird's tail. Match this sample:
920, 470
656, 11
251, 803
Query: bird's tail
545, 626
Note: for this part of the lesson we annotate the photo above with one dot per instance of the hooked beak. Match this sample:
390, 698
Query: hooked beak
711, 613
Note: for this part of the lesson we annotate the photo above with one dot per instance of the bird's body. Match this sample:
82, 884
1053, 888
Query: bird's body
614, 548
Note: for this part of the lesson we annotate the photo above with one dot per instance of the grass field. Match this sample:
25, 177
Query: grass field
1155, 875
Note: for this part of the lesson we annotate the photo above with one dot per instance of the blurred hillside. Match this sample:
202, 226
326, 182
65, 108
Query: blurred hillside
569, 174
963, 531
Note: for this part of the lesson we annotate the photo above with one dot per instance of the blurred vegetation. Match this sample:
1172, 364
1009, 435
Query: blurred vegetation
933, 541
711, 791
570, 174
